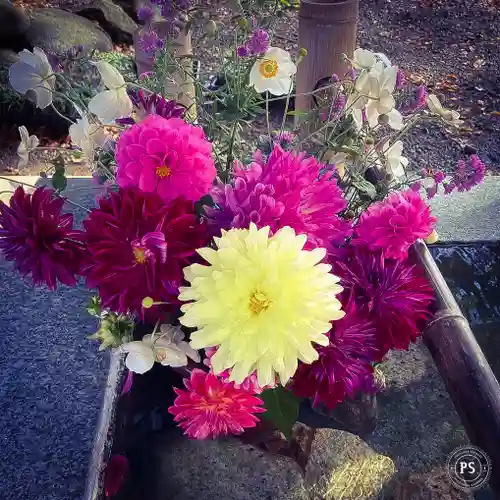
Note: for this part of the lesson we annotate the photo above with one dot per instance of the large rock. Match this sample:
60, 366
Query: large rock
471, 215
52, 381
14, 24
220, 470
56, 31
111, 17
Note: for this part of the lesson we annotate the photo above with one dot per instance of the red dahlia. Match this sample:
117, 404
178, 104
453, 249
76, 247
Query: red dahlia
138, 246
39, 239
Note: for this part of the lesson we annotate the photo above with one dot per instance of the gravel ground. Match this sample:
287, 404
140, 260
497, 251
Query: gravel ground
450, 45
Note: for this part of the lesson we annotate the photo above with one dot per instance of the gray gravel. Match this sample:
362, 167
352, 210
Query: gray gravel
50, 389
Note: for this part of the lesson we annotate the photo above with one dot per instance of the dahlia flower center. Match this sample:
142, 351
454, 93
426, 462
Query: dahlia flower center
163, 171
259, 302
268, 68
140, 254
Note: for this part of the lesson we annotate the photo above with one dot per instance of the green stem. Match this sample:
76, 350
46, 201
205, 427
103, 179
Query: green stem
10, 179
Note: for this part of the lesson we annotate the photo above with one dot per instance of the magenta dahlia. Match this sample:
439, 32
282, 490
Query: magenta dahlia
39, 239
344, 366
287, 190
396, 294
170, 157
394, 224
138, 247
210, 407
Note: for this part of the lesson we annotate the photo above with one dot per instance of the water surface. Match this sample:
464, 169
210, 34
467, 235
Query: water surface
472, 271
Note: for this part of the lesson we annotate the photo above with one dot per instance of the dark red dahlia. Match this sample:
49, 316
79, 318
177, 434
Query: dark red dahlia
396, 293
39, 239
138, 246
344, 366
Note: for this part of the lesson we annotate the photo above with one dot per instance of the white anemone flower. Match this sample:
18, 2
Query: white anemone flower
33, 72
363, 59
448, 115
88, 136
373, 92
273, 72
167, 348
26, 146
394, 159
112, 103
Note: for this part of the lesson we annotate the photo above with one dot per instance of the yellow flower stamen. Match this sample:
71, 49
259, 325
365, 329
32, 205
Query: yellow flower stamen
268, 68
259, 302
163, 171
139, 254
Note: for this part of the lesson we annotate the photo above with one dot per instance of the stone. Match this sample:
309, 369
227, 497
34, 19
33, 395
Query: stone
56, 31
15, 23
111, 17
418, 427
471, 215
53, 381
221, 469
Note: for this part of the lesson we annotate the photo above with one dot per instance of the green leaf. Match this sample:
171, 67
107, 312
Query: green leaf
59, 181
297, 113
365, 187
282, 408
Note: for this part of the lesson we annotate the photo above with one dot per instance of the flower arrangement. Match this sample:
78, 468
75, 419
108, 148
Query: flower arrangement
275, 267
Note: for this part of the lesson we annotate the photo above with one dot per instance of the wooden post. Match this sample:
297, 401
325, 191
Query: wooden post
327, 29
467, 375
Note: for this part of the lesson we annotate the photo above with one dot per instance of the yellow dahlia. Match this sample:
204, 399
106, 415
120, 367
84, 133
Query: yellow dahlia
262, 301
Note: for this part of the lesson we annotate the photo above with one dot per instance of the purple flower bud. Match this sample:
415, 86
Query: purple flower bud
145, 14
432, 191
151, 42
335, 78
400, 80
339, 103
259, 42
449, 187
242, 51
416, 186
439, 177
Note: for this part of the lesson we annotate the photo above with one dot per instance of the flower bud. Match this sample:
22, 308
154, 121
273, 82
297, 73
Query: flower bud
383, 120
432, 238
302, 52
243, 23
211, 28
147, 302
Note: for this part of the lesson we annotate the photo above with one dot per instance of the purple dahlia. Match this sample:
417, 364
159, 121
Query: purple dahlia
39, 238
344, 366
396, 294
286, 190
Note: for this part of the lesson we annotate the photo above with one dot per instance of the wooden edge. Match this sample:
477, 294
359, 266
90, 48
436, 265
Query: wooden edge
468, 377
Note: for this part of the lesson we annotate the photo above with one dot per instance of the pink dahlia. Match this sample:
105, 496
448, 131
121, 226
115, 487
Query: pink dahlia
396, 294
137, 248
344, 366
287, 190
167, 156
395, 223
210, 407
39, 239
